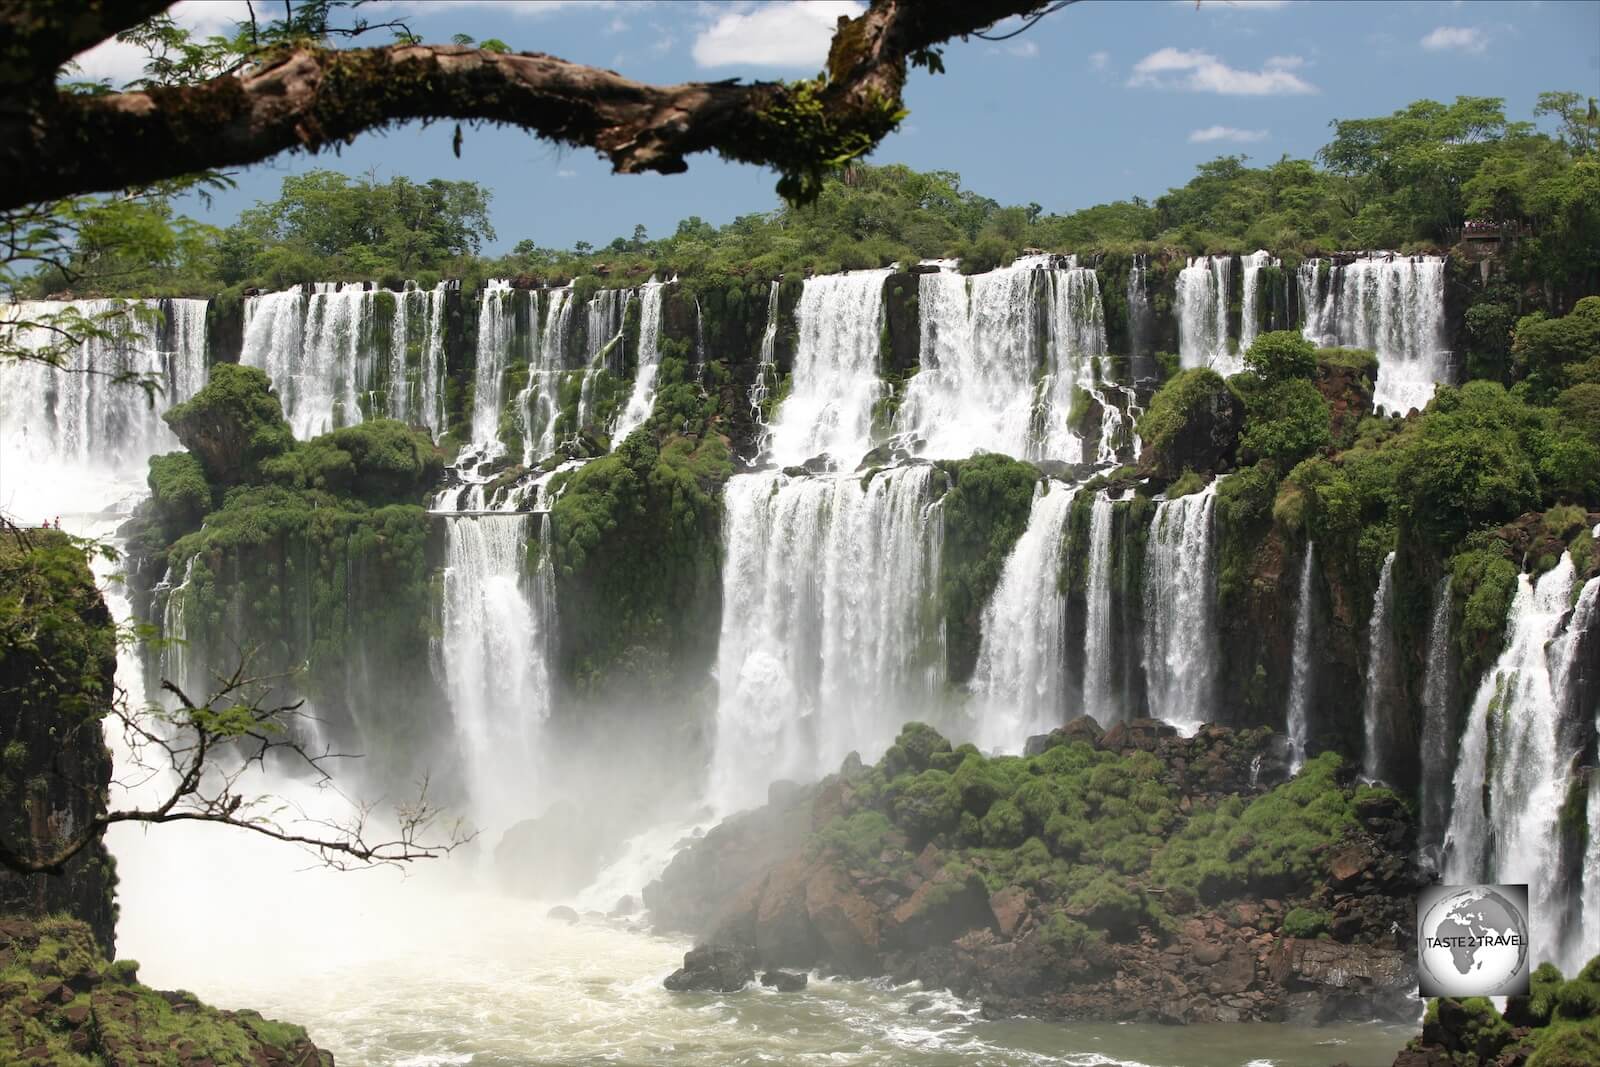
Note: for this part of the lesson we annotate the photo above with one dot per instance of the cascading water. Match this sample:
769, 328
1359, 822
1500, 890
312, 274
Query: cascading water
1100, 697
1140, 318
766, 372
64, 430
1438, 728
1250, 298
1201, 305
1391, 304
1512, 775
1075, 352
643, 399
539, 401
607, 313
1018, 685
980, 343
417, 395
1381, 666
495, 325
316, 349
827, 644
495, 632
1180, 653
829, 407
1300, 682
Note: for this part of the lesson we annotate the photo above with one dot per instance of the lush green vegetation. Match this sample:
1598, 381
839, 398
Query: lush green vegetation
1557, 1025
309, 557
1110, 842
637, 560
65, 1004
57, 641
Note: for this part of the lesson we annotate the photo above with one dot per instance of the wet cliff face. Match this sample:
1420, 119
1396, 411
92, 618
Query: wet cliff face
57, 664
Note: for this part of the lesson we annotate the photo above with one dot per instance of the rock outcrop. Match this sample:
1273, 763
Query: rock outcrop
1031, 884
55, 686
61, 1001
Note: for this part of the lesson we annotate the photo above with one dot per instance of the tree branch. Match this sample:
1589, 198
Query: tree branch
310, 97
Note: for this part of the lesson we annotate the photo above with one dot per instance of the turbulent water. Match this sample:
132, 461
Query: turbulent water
1250, 298
827, 643
1391, 304
1019, 684
1180, 653
1100, 697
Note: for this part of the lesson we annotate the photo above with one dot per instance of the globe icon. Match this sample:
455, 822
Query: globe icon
1474, 943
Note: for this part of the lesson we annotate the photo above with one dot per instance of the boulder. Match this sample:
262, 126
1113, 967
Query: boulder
625, 907
846, 922
783, 933
561, 914
1009, 906
785, 981
553, 855
941, 909
712, 969
1330, 981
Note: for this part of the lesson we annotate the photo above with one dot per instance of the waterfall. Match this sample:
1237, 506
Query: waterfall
418, 397
606, 318
494, 637
1018, 683
51, 419
1139, 314
495, 326
1391, 304
316, 349
835, 383
1180, 653
1300, 684
980, 346
766, 371
539, 401
1100, 697
1202, 308
1075, 351
1511, 777
643, 398
1381, 667
980, 388
1438, 726
829, 641
1250, 305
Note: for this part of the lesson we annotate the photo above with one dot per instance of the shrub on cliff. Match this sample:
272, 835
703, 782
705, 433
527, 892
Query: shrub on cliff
378, 462
1281, 355
1193, 422
233, 424
179, 493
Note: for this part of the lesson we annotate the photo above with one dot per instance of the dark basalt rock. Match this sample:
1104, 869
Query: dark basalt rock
785, 981
562, 914
712, 969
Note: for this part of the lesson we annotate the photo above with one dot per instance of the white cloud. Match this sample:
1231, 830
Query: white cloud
1285, 62
789, 34
1456, 39
617, 24
1212, 134
1202, 72
566, 172
1023, 49
122, 63
1099, 60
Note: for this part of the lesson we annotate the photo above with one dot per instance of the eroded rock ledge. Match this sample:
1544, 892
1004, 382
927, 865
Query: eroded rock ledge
1125, 874
61, 1001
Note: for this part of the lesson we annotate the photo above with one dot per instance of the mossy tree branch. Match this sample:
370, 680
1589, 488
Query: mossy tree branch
55, 144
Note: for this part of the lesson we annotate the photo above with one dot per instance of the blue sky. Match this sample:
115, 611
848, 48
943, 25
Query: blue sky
1100, 101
